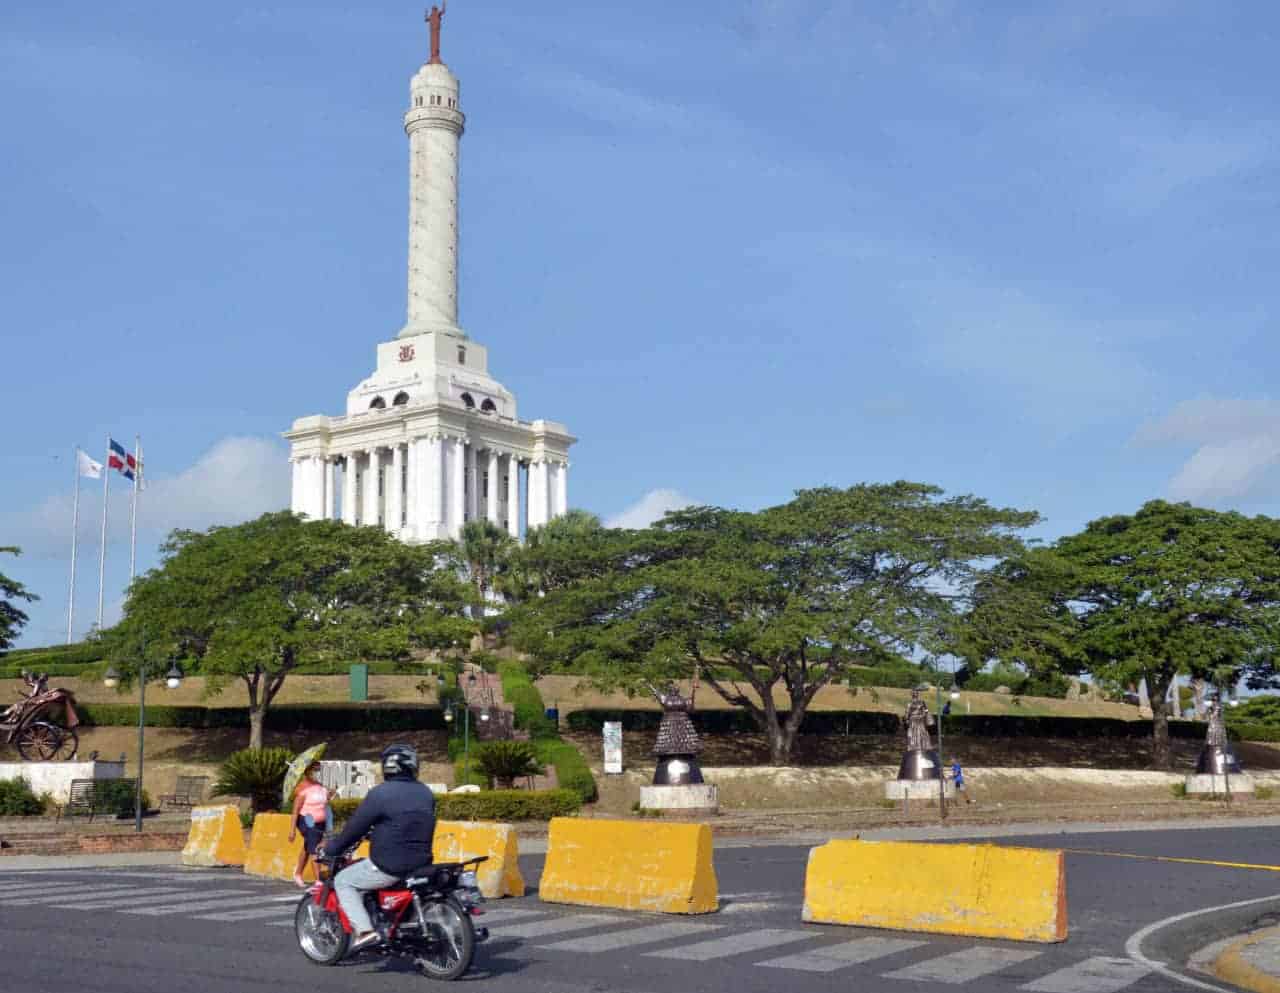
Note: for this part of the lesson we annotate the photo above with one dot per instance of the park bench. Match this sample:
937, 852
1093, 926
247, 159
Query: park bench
95, 796
187, 792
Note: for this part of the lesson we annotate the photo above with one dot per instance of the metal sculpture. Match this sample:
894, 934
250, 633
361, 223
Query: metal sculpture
677, 746
920, 761
1217, 757
32, 723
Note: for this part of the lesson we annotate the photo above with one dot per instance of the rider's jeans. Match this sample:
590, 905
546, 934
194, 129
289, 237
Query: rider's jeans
351, 883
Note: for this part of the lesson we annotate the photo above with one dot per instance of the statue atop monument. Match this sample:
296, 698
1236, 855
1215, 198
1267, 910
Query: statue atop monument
434, 18
918, 720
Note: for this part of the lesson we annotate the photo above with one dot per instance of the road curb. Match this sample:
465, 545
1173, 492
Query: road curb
1232, 966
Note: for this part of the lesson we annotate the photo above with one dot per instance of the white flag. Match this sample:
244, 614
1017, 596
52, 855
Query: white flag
87, 467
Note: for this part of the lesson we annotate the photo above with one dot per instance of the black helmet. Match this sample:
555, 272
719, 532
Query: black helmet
399, 760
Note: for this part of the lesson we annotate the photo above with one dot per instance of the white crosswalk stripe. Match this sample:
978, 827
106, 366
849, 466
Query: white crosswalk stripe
226, 899
735, 944
632, 937
274, 910
833, 957
32, 900
90, 901
558, 925
505, 915
31, 889
962, 967
1095, 975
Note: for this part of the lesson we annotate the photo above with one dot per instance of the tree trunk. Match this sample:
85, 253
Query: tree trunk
1158, 692
257, 717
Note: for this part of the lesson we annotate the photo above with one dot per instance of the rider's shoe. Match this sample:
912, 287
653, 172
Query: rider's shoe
366, 940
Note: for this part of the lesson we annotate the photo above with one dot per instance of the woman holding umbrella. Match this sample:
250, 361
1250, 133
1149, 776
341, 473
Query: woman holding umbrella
310, 813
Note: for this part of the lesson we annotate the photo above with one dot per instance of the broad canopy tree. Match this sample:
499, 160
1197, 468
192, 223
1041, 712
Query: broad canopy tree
1173, 589
787, 599
12, 592
256, 601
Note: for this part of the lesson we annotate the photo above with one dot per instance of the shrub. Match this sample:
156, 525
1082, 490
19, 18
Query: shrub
506, 761
334, 718
508, 805
572, 772
18, 799
519, 691
470, 775
342, 808
257, 773
116, 796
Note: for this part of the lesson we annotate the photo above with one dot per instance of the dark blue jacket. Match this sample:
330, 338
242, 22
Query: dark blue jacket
400, 818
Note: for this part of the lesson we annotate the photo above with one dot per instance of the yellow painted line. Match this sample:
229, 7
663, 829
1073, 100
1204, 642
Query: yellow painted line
1170, 858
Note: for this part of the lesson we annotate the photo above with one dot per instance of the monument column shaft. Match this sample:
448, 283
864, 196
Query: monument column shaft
412, 516
457, 491
395, 490
330, 488
561, 506
349, 489
369, 512
492, 490
513, 496
473, 483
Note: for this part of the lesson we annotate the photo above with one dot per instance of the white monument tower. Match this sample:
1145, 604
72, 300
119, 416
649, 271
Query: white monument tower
431, 440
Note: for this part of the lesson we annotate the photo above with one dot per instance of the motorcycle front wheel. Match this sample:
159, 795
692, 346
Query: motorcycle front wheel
320, 933
449, 942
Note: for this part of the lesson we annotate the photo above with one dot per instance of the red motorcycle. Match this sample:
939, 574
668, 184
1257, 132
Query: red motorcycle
425, 917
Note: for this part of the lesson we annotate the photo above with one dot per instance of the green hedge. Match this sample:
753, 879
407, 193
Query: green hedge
863, 722
572, 772
345, 717
519, 691
491, 805
79, 654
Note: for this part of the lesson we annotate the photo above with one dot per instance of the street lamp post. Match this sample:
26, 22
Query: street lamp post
111, 679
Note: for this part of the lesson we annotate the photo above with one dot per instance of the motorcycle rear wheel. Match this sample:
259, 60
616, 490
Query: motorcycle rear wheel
321, 935
449, 943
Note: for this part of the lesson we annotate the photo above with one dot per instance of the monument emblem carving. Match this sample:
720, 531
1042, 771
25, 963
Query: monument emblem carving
406, 353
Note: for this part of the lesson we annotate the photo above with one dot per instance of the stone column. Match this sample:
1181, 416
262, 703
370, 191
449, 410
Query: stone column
473, 483
315, 487
330, 488
433, 488
349, 489
513, 496
492, 490
373, 472
457, 495
295, 488
537, 494
395, 490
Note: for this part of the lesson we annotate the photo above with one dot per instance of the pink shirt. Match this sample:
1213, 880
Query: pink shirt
314, 800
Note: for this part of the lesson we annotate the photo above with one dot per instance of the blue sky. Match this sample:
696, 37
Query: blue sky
1022, 250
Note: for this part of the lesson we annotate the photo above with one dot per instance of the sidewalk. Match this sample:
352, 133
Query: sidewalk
1251, 961
19, 863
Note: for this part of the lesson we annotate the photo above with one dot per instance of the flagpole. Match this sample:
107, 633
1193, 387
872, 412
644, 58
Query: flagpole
102, 552
133, 513
75, 532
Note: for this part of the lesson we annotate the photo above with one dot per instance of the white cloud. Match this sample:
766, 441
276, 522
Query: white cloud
1237, 447
235, 480
649, 508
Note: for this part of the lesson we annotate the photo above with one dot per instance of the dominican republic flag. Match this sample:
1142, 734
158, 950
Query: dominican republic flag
121, 461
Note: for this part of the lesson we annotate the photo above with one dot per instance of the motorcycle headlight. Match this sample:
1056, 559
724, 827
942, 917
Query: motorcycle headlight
469, 880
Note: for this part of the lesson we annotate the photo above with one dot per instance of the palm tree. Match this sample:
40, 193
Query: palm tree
486, 549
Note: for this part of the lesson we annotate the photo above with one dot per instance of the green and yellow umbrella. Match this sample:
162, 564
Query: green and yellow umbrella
293, 775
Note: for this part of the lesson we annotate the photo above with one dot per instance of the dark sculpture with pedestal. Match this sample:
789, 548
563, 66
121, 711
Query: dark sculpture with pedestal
921, 766
1218, 771
677, 779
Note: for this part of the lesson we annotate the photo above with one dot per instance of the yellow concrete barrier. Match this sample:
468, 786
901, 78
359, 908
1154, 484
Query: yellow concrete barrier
216, 837
630, 865
983, 891
271, 854
500, 875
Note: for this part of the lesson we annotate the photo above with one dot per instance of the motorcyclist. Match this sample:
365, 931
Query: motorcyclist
399, 815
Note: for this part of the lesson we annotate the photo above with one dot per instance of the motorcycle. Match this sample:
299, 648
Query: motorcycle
425, 917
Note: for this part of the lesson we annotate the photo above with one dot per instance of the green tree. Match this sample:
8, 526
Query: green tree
486, 549
553, 555
787, 599
1171, 589
256, 601
12, 619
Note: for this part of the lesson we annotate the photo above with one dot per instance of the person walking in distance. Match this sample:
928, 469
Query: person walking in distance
310, 816
957, 777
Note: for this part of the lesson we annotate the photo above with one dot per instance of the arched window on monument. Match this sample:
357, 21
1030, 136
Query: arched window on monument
468, 401
462, 355
378, 404
401, 399
488, 407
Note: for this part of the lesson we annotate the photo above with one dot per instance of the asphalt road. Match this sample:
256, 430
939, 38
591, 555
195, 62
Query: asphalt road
138, 930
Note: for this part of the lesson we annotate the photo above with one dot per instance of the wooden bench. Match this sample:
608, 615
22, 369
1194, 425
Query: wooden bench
95, 796
187, 792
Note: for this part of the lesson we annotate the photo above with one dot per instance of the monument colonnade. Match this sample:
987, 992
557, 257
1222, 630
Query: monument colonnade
428, 487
